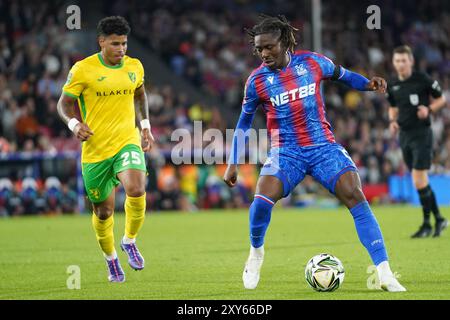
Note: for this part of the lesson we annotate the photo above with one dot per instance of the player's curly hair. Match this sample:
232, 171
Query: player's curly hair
277, 25
113, 25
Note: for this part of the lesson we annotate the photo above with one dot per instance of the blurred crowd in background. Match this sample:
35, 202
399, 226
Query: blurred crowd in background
205, 42
36, 197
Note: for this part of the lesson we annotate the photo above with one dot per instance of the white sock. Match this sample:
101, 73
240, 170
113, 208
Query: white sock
384, 270
127, 240
257, 252
111, 257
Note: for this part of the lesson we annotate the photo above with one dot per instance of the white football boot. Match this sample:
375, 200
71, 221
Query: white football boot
388, 281
252, 269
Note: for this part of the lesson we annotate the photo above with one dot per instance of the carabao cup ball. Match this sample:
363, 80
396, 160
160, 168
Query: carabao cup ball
324, 272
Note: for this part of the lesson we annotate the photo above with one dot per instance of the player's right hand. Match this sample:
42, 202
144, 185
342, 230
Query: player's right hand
377, 84
82, 131
394, 127
230, 176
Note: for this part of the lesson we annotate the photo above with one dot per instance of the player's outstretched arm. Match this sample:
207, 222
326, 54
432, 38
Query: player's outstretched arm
66, 112
141, 105
238, 147
359, 82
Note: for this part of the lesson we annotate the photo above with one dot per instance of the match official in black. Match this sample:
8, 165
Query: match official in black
410, 109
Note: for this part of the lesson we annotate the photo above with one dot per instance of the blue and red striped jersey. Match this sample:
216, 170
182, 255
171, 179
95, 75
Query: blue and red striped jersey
292, 100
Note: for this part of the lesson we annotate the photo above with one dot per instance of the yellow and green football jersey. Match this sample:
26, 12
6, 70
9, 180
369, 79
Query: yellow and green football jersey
106, 99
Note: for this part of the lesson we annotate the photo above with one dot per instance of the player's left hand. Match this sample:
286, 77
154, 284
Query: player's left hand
147, 140
377, 84
422, 112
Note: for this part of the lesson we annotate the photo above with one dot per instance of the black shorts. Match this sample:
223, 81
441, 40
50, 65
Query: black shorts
417, 148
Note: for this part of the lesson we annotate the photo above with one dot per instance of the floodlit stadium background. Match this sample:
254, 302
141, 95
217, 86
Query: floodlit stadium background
197, 58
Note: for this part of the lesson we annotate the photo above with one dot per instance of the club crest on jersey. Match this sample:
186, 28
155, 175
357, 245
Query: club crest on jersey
294, 94
414, 99
132, 76
300, 69
270, 79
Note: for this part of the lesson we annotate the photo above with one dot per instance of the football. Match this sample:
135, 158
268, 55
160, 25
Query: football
324, 272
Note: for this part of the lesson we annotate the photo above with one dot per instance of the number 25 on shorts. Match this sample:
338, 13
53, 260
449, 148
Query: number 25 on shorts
135, 158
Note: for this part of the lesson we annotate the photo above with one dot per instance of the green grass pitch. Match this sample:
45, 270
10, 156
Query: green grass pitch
201, 256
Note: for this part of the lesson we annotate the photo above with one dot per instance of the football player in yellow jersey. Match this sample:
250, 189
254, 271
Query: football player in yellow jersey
109, 88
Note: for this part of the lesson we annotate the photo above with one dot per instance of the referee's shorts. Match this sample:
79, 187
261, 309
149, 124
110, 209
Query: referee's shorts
417, 148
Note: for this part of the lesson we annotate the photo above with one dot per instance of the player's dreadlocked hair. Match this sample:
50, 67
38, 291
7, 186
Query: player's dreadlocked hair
113, 25
277, 25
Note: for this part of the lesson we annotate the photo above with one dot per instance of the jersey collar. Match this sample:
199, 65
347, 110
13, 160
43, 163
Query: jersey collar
284, 68
108, 66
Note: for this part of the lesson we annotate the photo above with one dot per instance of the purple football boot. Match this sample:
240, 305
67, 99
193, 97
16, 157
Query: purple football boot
115, 272
135, 259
